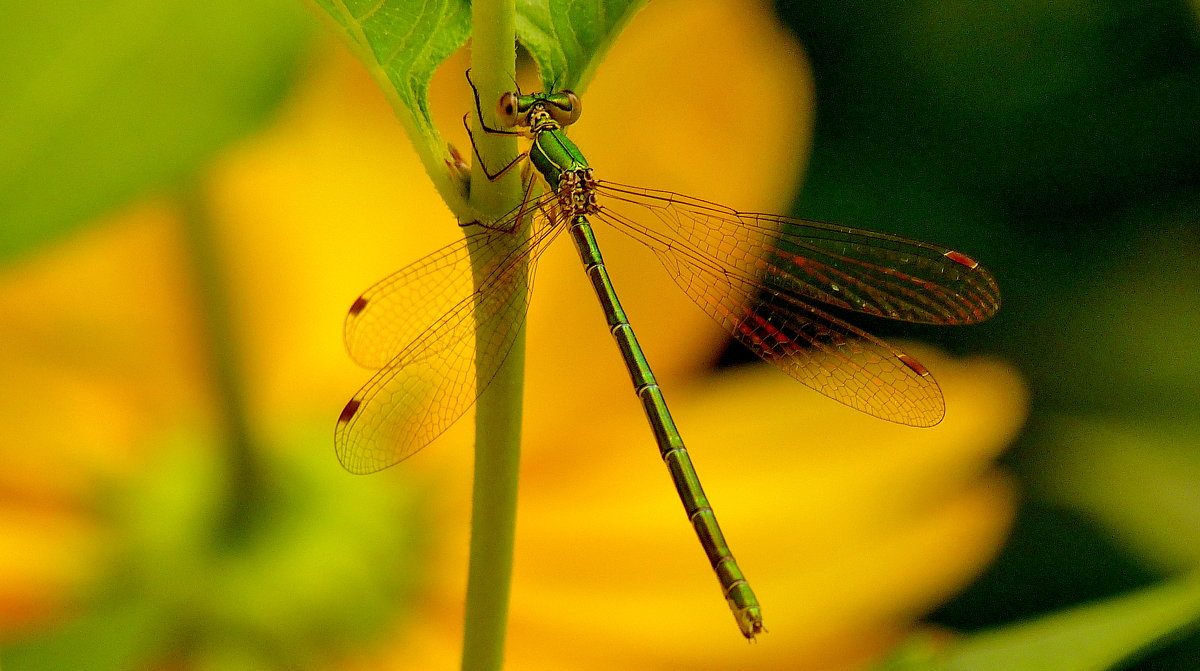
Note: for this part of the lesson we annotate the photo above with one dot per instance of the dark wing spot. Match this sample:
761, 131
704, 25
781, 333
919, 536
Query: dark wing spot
349, 411
359, 304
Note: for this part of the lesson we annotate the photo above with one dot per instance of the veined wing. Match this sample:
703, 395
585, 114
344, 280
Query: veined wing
829, 355
396, 310
429, 380
747, 272
874, 273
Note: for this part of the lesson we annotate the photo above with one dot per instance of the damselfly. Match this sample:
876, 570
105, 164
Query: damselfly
761, 276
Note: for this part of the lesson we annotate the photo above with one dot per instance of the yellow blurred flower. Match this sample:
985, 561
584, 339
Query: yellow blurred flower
848, 527
98, 356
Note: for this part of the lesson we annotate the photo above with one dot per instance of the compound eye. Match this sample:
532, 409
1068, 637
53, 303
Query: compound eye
507, 113
565, 108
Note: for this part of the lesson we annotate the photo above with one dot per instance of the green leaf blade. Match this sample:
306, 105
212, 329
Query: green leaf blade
1092, 637
569, 39
401, 43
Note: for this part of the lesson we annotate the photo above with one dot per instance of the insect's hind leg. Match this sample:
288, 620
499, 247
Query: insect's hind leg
475, 148
520, 213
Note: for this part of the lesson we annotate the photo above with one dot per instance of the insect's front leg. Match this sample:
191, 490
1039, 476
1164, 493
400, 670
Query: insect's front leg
479, 111
491, 131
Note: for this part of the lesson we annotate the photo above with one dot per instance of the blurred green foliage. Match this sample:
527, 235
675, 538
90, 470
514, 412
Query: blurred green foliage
1095, 636
300, 590
108, 99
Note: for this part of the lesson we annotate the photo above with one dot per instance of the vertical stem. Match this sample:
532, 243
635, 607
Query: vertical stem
498, 415
245, 480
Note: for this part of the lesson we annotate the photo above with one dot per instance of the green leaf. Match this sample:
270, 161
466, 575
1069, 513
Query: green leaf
401, 43
1092, 637
568, 39
106, 100
1138, 477
117, 634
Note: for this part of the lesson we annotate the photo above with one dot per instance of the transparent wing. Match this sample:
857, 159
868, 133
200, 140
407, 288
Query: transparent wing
874, 273
829, 355
758, 276
418, 326
395, 311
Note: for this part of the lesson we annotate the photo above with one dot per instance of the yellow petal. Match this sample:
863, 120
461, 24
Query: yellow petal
845, 524
49, 554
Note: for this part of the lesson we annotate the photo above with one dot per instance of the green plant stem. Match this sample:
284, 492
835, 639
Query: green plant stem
245, 474
498, 414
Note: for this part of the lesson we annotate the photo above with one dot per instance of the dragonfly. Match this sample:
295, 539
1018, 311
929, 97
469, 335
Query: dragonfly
765, 278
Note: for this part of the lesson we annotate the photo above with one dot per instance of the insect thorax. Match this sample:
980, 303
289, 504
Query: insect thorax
577, 191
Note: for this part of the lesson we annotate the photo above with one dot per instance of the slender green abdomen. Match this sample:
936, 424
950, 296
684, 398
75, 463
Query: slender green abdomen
737, 591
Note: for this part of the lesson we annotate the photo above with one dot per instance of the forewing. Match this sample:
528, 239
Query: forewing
716, 257
432, 381
396, 310
874, 273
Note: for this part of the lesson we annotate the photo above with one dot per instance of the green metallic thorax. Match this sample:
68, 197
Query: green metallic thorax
552, 153
564, 167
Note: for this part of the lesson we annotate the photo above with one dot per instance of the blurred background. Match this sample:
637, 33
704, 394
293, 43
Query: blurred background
191, 197
1057, 140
